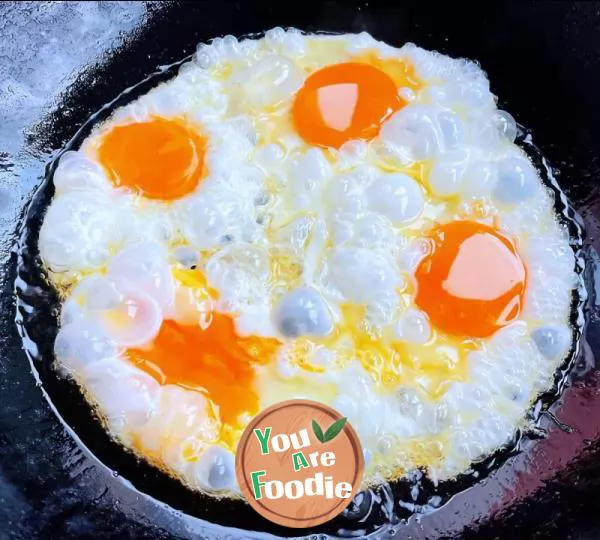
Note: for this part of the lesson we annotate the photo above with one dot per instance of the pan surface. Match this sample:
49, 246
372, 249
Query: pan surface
60, 63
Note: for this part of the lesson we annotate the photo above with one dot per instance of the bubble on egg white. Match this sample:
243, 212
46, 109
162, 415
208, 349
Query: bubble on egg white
170, 100
302, 312
345, 194
78, 232
205, 56
386, 154
294, 234
96, 293
413, 327
397, 196
269, 81
182, 420
446, 176
374, 231
506, 124
380, 312
134, 322
215, 470
142, 267
385, 445
552, 342
127, 396
133, 112
486, 134
209, 102
240, 274
352, 153
230, 45
188, 415
473, 94
361, 275
355, 149
453, 129
415, 128
294, 42
77, 172
124, 313
81, 343
309, 170
208, 219
478, 179
341, 228
191, 73
146, 223
407, 94
269, 157
358, 42
274, 36
186, 256
517, 181
308, 174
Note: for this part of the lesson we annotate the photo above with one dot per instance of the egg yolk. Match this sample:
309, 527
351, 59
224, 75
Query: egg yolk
161, 159
473, 281
343, 102
214, 360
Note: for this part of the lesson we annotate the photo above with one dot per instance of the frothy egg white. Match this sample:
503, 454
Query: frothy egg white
309, 216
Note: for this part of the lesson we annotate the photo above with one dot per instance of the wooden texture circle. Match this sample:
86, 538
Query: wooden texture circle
291, 417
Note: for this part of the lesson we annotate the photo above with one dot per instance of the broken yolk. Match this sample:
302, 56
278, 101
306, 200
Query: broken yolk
161, 159
214, 360
473, 281
343, 102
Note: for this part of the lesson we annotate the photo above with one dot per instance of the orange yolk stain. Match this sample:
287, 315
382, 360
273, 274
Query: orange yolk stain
344, 101
161, 159
214, 360
473, 282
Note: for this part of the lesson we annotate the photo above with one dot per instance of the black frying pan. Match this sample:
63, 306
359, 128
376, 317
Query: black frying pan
543, 61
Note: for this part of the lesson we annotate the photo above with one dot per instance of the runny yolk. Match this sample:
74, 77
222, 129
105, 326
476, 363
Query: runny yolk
343, 102
161, 159
473, 281
214, 360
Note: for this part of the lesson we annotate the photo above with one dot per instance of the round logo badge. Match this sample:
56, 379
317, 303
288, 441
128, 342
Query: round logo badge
299, 463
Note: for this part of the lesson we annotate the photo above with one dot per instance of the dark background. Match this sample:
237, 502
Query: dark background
543, 60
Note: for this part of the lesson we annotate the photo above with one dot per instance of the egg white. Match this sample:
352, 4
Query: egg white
275, 216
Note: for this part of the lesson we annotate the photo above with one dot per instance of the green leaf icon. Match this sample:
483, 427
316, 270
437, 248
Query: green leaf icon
332, 432
318, 431
334, 429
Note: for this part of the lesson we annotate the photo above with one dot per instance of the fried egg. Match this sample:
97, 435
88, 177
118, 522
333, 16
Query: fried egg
309, 216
